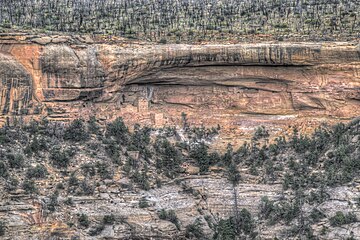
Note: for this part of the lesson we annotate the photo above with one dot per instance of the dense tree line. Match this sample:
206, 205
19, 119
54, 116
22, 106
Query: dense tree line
185, 20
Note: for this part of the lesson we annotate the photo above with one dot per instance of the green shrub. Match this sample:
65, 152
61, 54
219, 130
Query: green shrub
163, 41
141, 179
15, 160
283, 210
269, 169
162, 214
260, 133
225, 230
316, 215
84, 220
93, 126
143, 203
300, 143
233, 174
53, 201
29, 186
103, 170
130, 164
140, 138
2, 229
86, 188
97, 230
200, 154
38, 172
4, 138
289, 211
32, 127
318, 196
357, 200
61, 158
112, 149
73, 181
340, 219
169, 216
266, 207
11, 184
118, 130
253, 170
302, 229
109, 219
228, 156
3, 170
88, 169
169, 159
245, 222
195, 230
158, 182
76, 131
60, 186
37, 144
214, 158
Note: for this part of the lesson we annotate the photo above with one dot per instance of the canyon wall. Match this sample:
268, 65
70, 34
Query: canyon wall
238, 87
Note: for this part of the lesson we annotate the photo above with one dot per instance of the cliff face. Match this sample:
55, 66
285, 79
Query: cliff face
236, 86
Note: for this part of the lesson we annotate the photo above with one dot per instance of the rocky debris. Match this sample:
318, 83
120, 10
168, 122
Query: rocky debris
60, 39
42, 40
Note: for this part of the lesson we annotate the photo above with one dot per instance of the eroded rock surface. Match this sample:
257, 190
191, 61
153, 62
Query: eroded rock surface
236, 86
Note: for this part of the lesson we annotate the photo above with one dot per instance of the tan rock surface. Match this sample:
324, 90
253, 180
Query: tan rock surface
237, 86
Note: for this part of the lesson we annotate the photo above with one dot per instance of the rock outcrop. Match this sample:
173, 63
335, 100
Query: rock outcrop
236, 86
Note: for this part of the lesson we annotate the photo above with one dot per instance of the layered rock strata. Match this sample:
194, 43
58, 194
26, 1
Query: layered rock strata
238, 86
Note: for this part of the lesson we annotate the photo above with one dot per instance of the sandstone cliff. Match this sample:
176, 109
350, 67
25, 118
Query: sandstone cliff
236, 86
